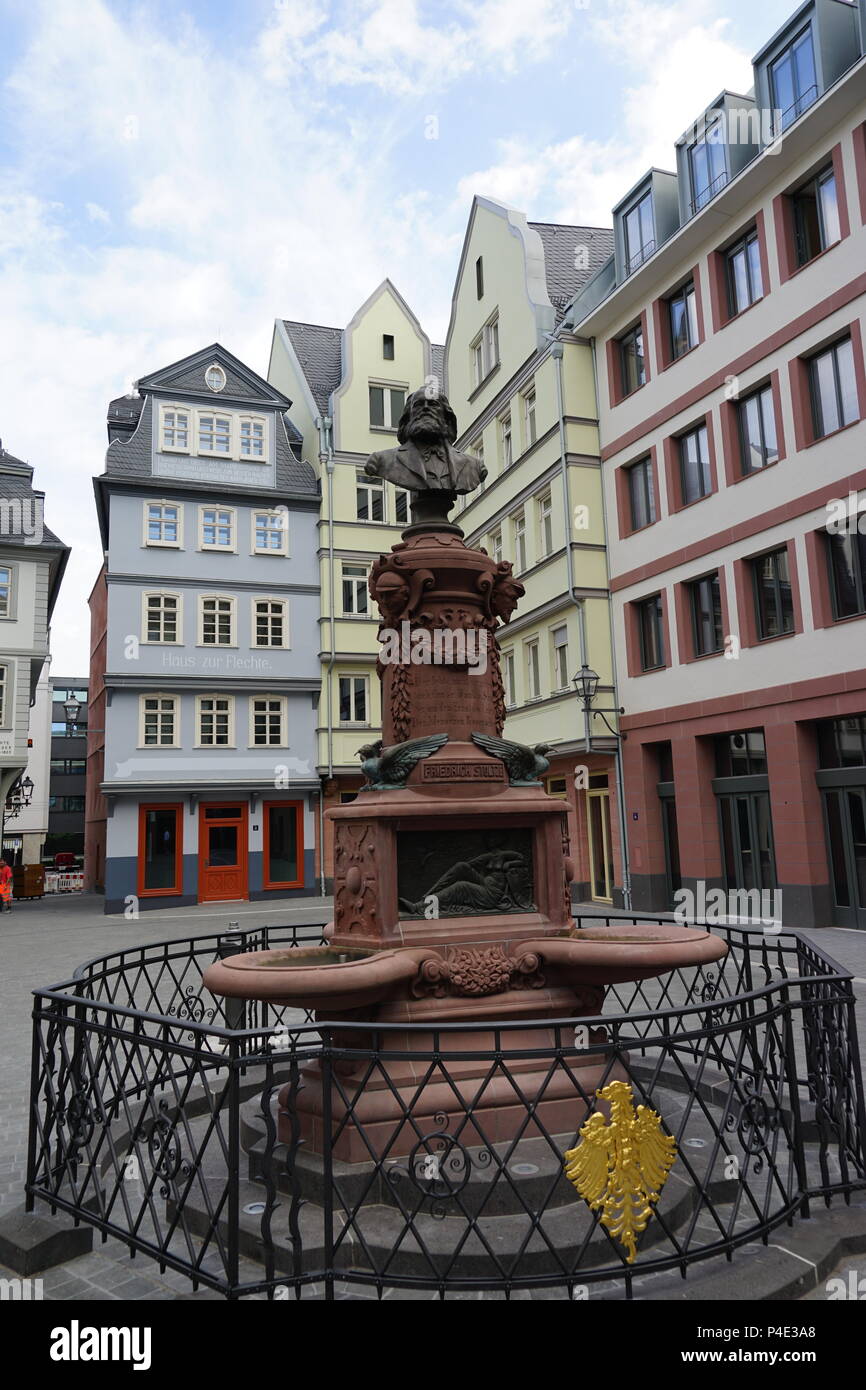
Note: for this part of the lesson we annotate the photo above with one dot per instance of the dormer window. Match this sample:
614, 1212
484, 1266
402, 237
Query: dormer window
214, 434
215, 377
639, 233
793, 82
708, 165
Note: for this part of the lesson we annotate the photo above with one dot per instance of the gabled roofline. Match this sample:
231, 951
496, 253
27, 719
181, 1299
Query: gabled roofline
281, 332
153, 381
535, 278
387, 286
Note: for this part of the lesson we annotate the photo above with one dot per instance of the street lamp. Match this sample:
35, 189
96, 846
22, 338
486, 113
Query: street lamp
72, 709
586, 684
19, 796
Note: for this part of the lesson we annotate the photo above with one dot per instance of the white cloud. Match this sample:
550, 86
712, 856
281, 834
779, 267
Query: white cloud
97, 213
680, 59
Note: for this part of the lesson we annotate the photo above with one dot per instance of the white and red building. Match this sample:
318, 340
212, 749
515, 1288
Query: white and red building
729, 346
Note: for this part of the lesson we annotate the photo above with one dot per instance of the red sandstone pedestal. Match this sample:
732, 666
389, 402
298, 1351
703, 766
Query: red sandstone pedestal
452, 905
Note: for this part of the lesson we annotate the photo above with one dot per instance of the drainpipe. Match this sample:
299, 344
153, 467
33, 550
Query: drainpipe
620, 781
556, 353
324, 425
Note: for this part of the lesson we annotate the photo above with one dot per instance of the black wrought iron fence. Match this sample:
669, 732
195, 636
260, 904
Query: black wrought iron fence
181, 1124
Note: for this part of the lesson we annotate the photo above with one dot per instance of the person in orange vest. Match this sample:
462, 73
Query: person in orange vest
5, 886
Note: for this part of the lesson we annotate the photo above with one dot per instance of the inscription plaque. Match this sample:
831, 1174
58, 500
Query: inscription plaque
463, 772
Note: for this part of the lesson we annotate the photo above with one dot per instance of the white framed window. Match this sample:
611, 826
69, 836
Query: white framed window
252, 437
6, 596
369, 497
354, 700
158, 721
161, 621
216, 620
355, 591
215, 721
270, 625
163, 524
477, 448
270, 532
506, 443
215, 377
509, 678
529, 424
217, 528
174, 429
491, 343
386, 405
401, 506
496, 544
518, 533
476, 351
544, 508
214, 434
559, 640
268, 721
5, 701
533, 670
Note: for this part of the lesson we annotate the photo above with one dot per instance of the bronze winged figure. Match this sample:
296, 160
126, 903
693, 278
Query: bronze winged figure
524, 765
387, 768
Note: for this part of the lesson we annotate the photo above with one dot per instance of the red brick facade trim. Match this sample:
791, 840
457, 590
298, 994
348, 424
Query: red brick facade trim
632, 636
747, 616
730, 428
662, 323
753, 526
833, 302
623, 495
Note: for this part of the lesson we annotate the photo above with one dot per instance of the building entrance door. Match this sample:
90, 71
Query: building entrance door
222, 852
845, 819
600, 856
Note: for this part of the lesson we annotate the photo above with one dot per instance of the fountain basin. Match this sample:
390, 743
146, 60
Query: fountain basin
612, 955
325, 978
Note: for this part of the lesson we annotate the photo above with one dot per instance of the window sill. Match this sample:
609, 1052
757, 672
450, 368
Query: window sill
686, 506
810, 444
798, 269
768, 641
740, 312
848, 618
483, 382
638, 530
383, 429
703, 656
649, 670
682, 357
753, 473
621, 398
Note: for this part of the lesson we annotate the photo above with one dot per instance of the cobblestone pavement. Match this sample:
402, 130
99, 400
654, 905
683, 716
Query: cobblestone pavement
42, 943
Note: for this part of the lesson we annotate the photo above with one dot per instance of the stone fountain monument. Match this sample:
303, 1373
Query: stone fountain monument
451, 869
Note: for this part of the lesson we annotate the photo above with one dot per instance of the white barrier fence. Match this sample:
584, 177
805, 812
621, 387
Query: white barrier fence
67, 881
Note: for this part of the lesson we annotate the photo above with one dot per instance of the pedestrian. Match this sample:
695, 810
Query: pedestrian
5, 886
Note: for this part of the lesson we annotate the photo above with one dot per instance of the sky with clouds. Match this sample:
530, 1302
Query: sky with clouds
176, 173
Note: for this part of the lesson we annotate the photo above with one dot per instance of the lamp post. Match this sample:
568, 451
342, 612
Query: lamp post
72, 709
586, 683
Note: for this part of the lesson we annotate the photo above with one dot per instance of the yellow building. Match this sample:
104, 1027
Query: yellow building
348, 387
522, 386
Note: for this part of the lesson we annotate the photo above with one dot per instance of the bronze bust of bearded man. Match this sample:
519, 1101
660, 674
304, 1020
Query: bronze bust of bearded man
425, 460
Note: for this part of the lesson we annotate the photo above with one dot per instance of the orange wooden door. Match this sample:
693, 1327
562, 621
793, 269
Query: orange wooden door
222, 852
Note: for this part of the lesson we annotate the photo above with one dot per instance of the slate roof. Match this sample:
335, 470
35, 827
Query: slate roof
319, 351
560, 241
132, 458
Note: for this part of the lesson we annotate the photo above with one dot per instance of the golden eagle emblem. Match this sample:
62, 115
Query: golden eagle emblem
622, 1167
